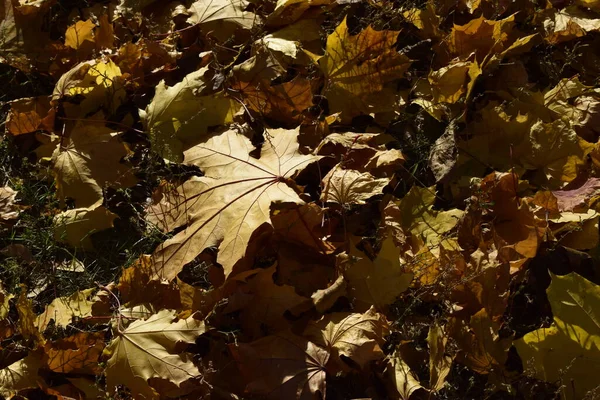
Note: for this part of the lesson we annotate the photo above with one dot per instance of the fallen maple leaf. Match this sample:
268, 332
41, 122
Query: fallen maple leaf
76, 354
283, 366
376, 282
263, 303
78, 33
402, 380
565, 352
353, 335
349, 187
87, 161
76, 225
231, 201
22, 374
357, 67
63, 309
147, 349
179, 116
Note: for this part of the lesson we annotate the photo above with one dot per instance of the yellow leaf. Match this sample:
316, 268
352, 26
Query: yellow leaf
439, 362
179, 116
354, 335
76, 225
356, 69
422, 220
481, 36
376, 282
147, 349
78, 33
566, 352
64, 309
348, 186
230, 202
22, 374
88, 161
402, 380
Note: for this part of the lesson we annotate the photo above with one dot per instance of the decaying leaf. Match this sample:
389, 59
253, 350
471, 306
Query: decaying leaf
403, 381
64, 309
8, 209
75, 226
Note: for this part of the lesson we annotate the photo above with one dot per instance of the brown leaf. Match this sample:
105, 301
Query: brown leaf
263, 303
570, 198
76, 354
283, 366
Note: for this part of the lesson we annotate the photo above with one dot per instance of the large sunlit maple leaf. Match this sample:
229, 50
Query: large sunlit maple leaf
147, 349
227, 205
356, 69
567, 352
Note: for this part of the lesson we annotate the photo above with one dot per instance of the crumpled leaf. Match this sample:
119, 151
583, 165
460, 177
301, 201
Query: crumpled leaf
289, 11
8, 209
402, 380
147, 349
570, 198
230, 202
353, 335
99, 82
439, 362
283, 366
561, 25
179, 116
349, 187
565, 352
356, 69
376, 282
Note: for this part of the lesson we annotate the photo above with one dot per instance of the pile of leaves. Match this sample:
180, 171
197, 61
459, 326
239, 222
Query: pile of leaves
300, 199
